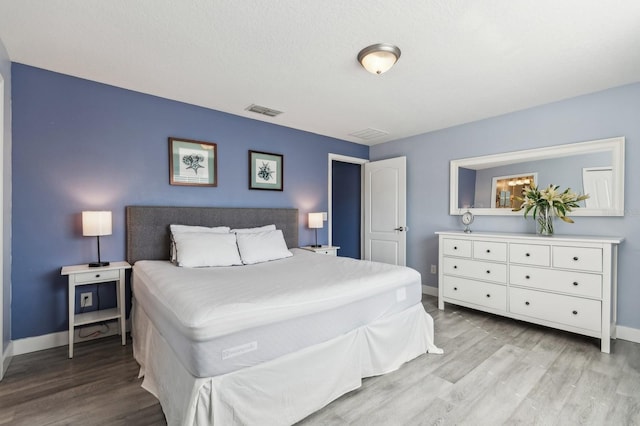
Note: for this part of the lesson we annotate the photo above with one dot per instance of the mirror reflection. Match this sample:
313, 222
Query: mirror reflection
490, 184
565, 171
507, 189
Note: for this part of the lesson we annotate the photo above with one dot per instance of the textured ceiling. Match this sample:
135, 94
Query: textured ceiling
461, 60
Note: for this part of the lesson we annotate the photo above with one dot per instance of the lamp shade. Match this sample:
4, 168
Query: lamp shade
379, 58
96, 223
315, 220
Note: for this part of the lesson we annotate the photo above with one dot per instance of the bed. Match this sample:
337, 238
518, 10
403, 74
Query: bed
268, 342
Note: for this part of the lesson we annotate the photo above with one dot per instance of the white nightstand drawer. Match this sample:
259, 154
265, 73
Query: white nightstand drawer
493, 296
568, 310
487, 250
580, 258
487, 271
574, 283
460, 248
530, 254
330, 252
100, 276
326, 250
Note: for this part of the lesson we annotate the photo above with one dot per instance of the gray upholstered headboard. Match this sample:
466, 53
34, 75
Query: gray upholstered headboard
148, 226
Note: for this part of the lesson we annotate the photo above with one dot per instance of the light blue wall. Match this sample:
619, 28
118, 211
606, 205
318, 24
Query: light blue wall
80, 145
610, 113
5, 71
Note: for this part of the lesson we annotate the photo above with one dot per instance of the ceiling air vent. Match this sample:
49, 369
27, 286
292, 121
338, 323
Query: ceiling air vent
368, 134
263, 110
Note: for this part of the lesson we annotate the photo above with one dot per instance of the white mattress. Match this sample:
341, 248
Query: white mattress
219, 320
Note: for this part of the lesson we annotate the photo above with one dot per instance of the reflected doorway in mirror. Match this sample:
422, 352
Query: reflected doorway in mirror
506, 189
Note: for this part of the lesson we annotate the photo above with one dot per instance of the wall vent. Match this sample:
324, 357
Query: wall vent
368, 134
263, 110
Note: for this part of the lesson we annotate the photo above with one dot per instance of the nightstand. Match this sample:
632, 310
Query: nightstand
82, 275
328, 250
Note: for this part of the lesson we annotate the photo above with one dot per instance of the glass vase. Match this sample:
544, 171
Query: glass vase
545, 221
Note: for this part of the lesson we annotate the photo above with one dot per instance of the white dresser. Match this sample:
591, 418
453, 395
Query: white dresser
565, 282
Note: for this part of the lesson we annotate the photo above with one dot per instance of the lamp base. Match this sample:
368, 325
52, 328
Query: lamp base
316, 245
98, 264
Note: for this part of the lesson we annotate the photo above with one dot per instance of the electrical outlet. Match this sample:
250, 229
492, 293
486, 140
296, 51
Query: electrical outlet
434, 269
86, 299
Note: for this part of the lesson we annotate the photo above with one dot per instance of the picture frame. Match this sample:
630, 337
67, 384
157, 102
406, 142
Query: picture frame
193, 163
266, 171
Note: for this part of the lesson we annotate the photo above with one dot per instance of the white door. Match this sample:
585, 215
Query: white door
385, 211
597, 182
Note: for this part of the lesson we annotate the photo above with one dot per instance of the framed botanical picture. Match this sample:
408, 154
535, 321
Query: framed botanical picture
265, 171
193, 163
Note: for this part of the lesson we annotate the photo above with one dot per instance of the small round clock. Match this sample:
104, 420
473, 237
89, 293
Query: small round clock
467, 219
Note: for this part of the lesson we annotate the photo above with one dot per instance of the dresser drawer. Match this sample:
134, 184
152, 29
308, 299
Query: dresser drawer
567, 310
580, 258
573, 283
487, 271
87, 277
453, 247
530, 254
492, 296
487, 250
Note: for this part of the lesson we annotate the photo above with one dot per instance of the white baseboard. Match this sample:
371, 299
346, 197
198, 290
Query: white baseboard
628, 333
431, 291
61, 338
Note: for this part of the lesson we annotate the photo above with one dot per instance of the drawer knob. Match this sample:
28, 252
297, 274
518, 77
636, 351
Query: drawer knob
527, 276
97, 275
488, 271
575, 312
527, 303
575, 258
488, 251
488, 295
455, 247
575, 283
455, 289
455, 266
527, 254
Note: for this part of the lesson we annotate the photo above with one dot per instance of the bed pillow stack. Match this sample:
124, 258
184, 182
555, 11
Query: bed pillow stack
200, 246
256, 247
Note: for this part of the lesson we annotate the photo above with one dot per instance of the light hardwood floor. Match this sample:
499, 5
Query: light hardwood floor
494, 371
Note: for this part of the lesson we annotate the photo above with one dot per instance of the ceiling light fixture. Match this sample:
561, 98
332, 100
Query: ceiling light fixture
379, 58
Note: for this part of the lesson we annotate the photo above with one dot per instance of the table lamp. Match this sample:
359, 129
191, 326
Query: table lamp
96, 224
315, 222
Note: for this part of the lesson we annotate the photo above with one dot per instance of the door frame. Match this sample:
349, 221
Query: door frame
5, 356
345, 159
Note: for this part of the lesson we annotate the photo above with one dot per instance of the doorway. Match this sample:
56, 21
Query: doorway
344, 218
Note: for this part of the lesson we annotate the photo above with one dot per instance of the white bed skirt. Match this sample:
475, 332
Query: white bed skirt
286, 389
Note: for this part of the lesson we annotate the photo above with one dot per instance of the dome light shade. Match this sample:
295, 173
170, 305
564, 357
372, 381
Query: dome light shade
379, 58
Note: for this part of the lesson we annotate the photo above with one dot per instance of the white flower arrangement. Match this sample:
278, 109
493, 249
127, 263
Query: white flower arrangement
545, 203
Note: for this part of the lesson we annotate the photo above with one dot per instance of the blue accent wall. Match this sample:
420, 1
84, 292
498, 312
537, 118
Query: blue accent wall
81, 145
605, 114
346, 205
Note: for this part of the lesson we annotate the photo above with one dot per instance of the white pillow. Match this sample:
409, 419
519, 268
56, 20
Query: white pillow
262, 246
196, 250
254, 230
188, 228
